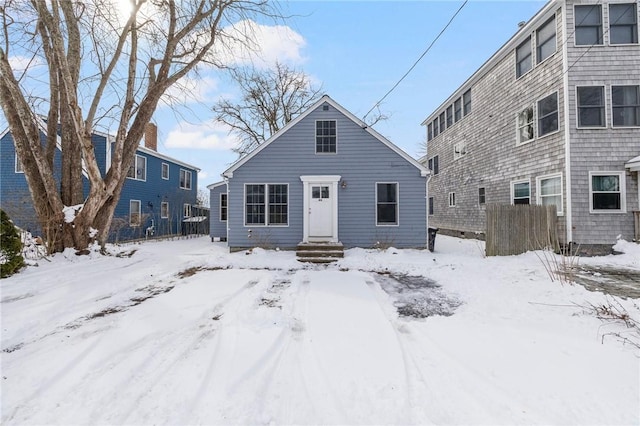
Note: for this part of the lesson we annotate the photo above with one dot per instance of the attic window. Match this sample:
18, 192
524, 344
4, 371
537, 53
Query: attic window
326, 137
325, 107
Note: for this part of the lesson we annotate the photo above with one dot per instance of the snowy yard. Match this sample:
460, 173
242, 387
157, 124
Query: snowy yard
182, 332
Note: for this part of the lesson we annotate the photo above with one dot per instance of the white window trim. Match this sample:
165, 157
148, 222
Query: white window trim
135, 169
539, 196
190, 180
431, 207
186, 207
608, 31
226, 207
162, 171
590, 46
537, 115
452, 199
18, 163
459, 150
513, 189
433, 163
604, 94
139, 213
515, 54
533, 123
164, 203
266, 223
315, 140
623, 192
611, 98
555, 21
397, 204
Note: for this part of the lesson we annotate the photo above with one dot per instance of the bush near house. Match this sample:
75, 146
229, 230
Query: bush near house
11, 259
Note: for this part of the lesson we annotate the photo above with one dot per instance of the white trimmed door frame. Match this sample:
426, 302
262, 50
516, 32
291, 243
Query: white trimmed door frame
332, 182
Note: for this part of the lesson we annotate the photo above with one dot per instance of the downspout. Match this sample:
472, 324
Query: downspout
567, 128
429, 176
226, 182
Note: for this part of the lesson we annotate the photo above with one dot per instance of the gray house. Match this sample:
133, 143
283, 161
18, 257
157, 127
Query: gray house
326, 177
553, 117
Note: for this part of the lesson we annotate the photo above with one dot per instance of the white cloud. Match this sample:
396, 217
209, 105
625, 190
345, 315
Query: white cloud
20, 63
266, 44
206, 135
191, 90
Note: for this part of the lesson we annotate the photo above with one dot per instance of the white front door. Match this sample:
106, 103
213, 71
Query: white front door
320, 195
321, 212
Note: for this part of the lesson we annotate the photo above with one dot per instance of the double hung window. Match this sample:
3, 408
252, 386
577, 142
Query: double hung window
223, 207
548, 114
138, 169
266, 204
550, 191
546, 40
588, 25
521, 192
590, 106
625, 101
606, 190
326, 136
623, 23
523, 57
386, 204
185, 179
135, 212
525, 125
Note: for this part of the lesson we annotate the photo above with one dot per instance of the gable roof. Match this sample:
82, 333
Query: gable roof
326, 99
216, 184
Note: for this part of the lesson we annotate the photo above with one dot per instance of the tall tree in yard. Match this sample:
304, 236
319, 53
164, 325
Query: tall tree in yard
105, 60
269, 99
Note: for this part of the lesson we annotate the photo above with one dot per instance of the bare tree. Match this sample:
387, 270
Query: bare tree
100, 65
270, 98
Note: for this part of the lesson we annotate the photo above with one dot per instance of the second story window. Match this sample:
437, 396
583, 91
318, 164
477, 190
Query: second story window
185, 179
548, 114
590, 106
436, 128
625, 102
138, 169
165, 171
466, 101
523, 57
442, 122
449, 116
429, 131
433, 165
326, 137
623, 23
546, 40
588, 25
459, 150
457, 109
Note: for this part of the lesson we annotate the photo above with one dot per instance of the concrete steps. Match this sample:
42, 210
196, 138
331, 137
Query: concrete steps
319, 252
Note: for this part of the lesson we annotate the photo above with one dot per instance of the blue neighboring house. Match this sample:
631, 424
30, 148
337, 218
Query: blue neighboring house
158, 197
326, 177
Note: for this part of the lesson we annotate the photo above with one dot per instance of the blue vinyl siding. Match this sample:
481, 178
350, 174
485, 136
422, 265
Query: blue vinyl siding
218, 228
361, 161
15, 197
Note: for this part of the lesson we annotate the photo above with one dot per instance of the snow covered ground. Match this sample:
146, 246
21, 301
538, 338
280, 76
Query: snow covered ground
182, 332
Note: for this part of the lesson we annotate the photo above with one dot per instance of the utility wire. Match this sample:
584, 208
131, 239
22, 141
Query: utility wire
418, 60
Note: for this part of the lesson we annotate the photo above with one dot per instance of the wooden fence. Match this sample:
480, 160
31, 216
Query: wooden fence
520, 228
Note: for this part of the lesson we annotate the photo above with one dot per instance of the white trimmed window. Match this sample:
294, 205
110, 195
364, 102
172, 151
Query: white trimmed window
452, 199
186, 210
386, 203
326, 138
164, 210
459, 150
433, 165
590, 101
185, 179
546, 40
165, 171
548, 114
625, 105
457, 109
521, 192
430, 206
135, 213
524, 62
436, 127
466, 102
588, 25
449, 116
19, 168
550, 191
607, 192
429, 131
443, 125
623, 23
138, 170
266, 204
525, 126
223, 207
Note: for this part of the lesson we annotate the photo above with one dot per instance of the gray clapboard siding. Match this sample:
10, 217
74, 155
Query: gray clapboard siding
361, 161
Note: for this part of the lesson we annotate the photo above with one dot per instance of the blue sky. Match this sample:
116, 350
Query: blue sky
358, 50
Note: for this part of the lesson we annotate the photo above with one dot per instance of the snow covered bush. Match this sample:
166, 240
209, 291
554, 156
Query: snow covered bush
10, 247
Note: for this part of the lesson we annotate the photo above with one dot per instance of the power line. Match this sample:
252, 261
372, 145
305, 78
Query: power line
418, 60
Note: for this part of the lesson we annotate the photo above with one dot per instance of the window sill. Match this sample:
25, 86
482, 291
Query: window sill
592, 127
549, 134
591, 211
525, 142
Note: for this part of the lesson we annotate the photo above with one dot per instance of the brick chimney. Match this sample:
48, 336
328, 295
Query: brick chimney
151, 136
